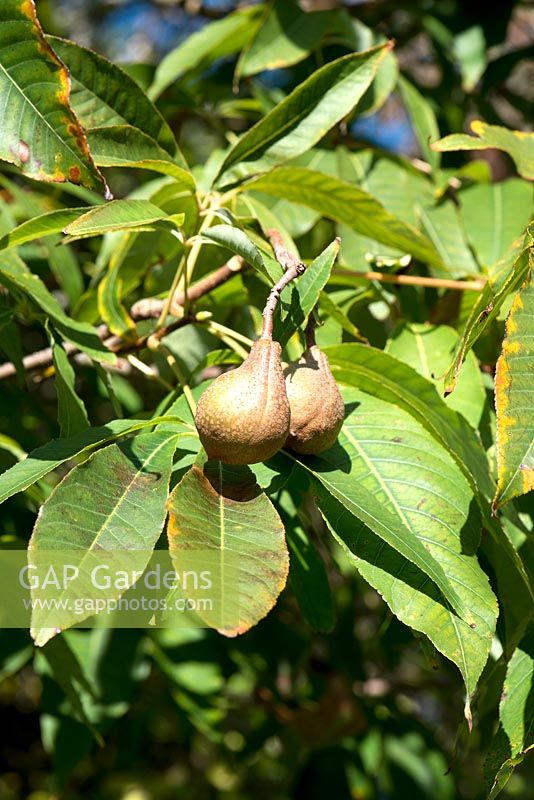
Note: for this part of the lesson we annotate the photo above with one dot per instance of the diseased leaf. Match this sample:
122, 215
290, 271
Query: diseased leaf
40, 132
518, 144
303, 118
72, 416
221, 509
345, 203
514, 399
113, 501
104, 95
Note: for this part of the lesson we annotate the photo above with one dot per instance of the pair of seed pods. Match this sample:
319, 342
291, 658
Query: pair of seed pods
248, 414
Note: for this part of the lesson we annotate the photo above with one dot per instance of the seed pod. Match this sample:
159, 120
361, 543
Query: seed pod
317, 408
243, 417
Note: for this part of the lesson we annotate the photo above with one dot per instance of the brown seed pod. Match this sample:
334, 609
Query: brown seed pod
243, 417
317, 408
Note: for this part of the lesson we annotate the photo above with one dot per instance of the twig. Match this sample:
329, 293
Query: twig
148, 308
283, 256
151, 307
293, 268
414, 280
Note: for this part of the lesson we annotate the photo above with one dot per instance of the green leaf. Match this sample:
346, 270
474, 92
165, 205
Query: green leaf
72, 416
237, 241
40, 132
423, 120
514, 400
382, 376
308, 577
484, 311
346, 203
427, 348
515, 737
104, 95
221, 509
384, 452
110, 307
332, 310
443, 227
303, 118
305, 292
494, 216
285, 37
518, 144
469, 49
115, 216
49, 456
47, 224
214, 41
125, 146
113, 501
16, 277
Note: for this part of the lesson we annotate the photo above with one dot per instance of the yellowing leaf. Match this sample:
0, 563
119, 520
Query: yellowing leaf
514, 400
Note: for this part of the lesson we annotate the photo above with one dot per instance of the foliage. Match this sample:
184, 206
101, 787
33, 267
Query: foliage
144, 217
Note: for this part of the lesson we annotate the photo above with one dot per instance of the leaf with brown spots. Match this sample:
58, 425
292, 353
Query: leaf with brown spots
514, 399
220, 510
40, 132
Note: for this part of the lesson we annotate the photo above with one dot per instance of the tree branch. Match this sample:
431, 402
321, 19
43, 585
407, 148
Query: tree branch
149, 308
414, 280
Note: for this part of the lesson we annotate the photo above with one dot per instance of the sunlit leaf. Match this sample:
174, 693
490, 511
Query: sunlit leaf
514, 399
40, 132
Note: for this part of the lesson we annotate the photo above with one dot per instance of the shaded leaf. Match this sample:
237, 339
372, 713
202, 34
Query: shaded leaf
71, 413
514, 400
221, 509
391, 456
51, 455
40, 132
16, 277
113, 501
518, 145
443, 227
515, 736
285, 36
423, 120
216, 40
